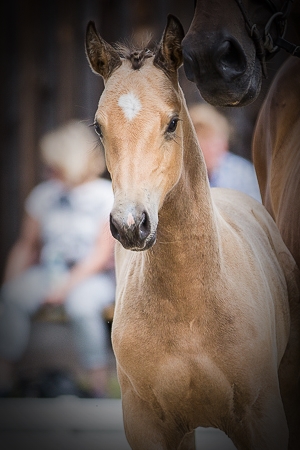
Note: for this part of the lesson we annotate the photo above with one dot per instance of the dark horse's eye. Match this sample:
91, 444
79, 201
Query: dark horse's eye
98, 129
172, 125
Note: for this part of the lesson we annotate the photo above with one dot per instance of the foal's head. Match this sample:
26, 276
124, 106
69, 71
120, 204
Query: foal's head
138, 122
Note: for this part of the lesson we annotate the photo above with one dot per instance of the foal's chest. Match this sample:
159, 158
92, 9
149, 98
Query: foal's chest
171, 368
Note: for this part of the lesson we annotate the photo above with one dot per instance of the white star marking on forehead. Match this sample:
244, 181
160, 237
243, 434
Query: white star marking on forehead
130, 105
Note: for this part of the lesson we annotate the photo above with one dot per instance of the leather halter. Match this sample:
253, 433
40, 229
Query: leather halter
266, 46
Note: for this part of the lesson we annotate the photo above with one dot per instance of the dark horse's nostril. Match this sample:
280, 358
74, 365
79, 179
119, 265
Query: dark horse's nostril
144, 226
230, 58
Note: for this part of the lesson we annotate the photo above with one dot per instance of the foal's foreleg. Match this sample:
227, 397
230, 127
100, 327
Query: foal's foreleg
188, 442
265, 427
147, 429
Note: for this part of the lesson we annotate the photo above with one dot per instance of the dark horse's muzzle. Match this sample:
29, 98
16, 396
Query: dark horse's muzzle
220, 68
225, 59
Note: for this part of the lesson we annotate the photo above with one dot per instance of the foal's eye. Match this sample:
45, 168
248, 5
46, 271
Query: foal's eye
98, 129
172, 125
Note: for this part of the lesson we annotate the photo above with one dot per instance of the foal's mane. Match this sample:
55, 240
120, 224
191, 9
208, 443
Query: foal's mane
135, 55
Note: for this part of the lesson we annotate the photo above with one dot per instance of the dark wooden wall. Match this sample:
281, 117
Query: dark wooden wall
45, 80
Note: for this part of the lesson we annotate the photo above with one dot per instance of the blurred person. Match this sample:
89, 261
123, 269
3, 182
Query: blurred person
225, 169
64, 255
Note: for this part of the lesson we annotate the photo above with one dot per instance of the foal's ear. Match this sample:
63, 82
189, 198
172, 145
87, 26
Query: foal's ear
102, 57
169, 55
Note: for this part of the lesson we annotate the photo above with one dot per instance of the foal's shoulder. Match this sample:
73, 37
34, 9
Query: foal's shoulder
235, 201
243, 216
243, 213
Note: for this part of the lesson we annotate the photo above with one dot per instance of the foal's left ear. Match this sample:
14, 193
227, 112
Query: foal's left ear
169, 55
103, 58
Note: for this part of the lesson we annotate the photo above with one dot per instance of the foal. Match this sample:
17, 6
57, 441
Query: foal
202, 319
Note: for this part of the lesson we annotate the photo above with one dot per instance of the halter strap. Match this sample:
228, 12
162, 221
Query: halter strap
265, 45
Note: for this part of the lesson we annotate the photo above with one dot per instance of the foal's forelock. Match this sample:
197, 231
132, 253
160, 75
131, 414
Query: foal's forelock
137, 57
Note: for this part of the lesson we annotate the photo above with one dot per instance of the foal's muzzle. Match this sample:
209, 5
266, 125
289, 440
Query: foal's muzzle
132, 229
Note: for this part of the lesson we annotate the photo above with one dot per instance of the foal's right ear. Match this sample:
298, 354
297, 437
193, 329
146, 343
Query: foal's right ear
169, 54
102, 57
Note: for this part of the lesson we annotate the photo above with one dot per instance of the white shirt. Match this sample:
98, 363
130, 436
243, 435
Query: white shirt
238, 173
70, 219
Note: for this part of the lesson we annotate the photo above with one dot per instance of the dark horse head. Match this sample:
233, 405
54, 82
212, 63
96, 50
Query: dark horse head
227, 45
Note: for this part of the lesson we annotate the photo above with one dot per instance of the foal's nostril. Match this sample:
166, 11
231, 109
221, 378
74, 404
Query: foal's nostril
114, 228
132, 232
144, 226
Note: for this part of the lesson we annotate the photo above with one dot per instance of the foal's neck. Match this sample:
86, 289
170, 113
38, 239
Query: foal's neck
187, 232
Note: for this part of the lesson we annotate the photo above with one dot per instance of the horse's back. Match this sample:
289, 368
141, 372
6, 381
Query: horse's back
276, 153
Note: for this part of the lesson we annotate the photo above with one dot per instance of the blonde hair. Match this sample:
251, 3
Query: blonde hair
72, 149
209, 118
